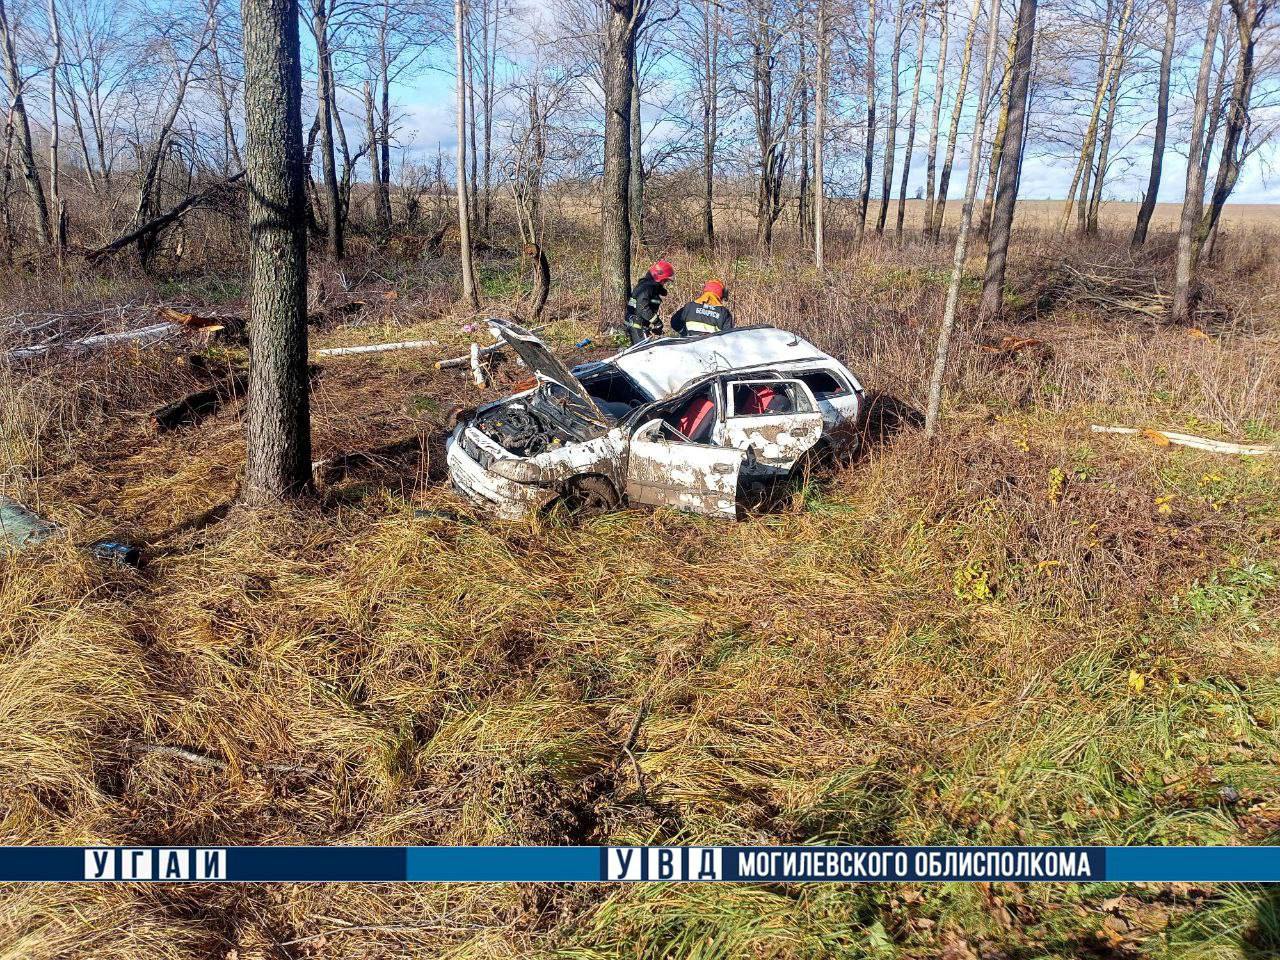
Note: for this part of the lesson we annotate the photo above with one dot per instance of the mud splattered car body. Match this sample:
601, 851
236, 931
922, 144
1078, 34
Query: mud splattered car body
686, 422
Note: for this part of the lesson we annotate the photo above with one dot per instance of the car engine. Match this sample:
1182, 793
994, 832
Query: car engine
520, 430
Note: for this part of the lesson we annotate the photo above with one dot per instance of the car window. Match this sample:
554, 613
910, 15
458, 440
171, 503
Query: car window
824, 383
760, 398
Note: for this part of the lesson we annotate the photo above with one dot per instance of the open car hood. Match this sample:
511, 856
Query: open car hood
537, 356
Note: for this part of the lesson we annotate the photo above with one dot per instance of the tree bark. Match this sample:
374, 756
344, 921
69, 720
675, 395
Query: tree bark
1104, 145
911, 119
615, 211
997, 142
962, 86
891, 128
18, 113
1162, 126
710, 115
382, 220
324, 113
1006, 196
1248, 16
1085, 165
939, 87
278, 421
819, 141
635, 182
869, 147
469, 296
966, 221
55, 188
1193, 198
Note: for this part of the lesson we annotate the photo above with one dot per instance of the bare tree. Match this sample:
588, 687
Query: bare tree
869, 148
966, 221
891, 127
1010, 169
469, 296
962, 84
1084, 167
278, 424
1162, 125
55, 181
939, 86
820, 139
18, 117
325, 106
615, 215
1193, 198
911, 117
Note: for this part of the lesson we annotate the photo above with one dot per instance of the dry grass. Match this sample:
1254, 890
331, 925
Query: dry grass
937, 646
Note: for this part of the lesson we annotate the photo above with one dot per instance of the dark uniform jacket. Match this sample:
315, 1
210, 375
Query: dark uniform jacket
642, 308
697, 317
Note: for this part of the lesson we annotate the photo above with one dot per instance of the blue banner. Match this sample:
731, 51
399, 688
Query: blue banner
638, 864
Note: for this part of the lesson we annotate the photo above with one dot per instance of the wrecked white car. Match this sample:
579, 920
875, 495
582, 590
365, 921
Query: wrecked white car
693, 423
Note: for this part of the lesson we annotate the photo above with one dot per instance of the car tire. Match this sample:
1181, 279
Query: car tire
586, 497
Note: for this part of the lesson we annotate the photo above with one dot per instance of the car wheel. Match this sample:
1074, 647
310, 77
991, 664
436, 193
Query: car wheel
587, 497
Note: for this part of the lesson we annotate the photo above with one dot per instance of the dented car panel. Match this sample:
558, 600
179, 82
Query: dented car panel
689, 423
700, 478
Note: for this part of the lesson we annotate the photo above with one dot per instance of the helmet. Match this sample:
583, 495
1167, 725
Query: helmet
715, 288
662, 271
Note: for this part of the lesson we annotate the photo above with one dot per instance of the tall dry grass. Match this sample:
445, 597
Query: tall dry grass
1024, 633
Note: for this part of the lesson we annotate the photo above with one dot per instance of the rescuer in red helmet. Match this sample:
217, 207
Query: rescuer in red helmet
707, 314
646, 299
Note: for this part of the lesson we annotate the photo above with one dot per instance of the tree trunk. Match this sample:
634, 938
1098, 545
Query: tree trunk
324, 114
1085, 165
382, 223
1193, 197
1011, 163
962, 86
911, 120
1104, 145
469, 295
939, 87
869, 147
819, 141
18, 112
384, 135
966, 221
635, 183
1248, 15
710, 116
1162, 125
615, 217
55, 188
279, 419
997, 142
891, 129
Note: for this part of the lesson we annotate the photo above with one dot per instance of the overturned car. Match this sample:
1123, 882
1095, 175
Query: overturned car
693, 423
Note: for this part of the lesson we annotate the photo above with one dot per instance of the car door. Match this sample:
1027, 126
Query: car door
663, 469
775, 418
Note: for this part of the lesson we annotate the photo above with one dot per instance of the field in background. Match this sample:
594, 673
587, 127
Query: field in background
1026, 633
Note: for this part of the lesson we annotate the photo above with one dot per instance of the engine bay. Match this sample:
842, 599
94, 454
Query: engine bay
528, 429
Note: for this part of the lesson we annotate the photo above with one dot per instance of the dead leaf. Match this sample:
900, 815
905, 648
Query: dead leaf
1195, 333
390, 295
1156, 437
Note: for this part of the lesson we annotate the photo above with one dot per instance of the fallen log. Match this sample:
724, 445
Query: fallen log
377, 348
196, 406
1166, 437
162, 221
143, 335
465, 361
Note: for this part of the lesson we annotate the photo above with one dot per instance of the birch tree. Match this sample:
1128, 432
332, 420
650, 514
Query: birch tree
1148, 206
957, 108
922, 32
966, 220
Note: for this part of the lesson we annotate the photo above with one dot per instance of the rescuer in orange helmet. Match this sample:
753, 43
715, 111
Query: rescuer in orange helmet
707, 314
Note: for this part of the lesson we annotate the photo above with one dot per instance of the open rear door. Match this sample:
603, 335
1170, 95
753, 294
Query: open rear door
663, 470
778, 420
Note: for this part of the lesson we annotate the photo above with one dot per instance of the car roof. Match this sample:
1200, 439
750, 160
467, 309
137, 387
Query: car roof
663, 366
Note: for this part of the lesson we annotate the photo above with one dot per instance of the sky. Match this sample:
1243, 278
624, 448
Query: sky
427, 121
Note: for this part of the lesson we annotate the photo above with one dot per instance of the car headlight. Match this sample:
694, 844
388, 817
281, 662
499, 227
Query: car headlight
518, 471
